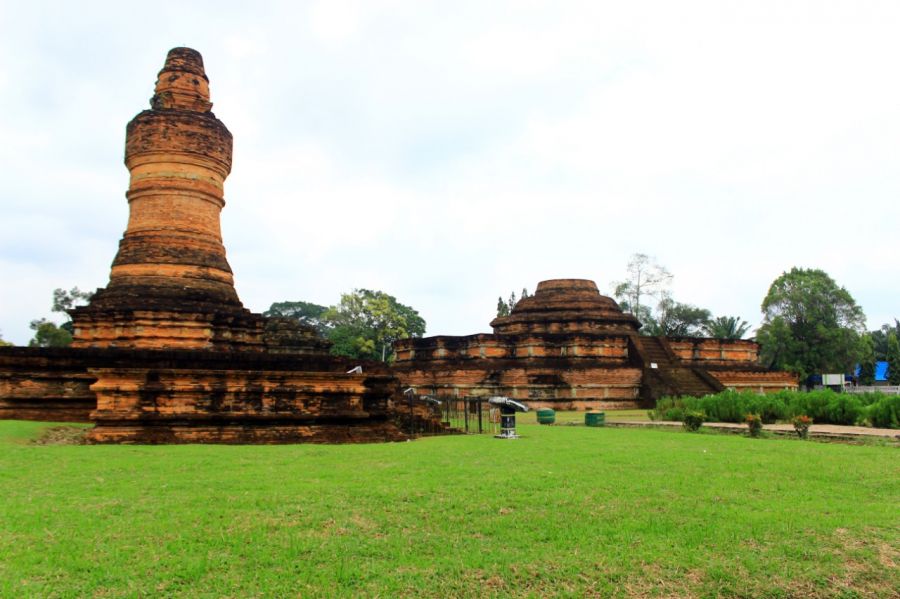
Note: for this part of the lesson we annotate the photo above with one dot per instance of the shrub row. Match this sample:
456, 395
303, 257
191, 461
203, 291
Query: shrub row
823, 406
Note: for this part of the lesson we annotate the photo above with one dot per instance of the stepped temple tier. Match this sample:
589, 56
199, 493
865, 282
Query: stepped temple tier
166, 352
568, 347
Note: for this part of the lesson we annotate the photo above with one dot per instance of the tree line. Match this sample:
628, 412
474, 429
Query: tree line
364, 324
810, 325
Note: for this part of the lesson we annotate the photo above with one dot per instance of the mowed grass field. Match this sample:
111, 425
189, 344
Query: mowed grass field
577, 417
563, 511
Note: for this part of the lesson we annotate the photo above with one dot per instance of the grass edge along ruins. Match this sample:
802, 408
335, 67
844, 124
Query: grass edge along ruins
166, 352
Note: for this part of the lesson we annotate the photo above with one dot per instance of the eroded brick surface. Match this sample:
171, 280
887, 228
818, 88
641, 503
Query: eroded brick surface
170, 285
166, 352
569, 347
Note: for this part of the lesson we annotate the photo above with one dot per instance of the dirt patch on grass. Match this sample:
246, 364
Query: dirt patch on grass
62, 435
872, 575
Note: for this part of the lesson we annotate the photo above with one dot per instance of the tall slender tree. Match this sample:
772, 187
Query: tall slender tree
880, 337
893, 359
646, 278
505, 307
867, 360
502, 307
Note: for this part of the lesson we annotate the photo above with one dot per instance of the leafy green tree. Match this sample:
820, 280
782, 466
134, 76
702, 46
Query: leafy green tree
366, 323
867, 360
63, 301
646, 278
305, 313
893, 359
880, 337
810, 324
49, 334
4, 343
726, 327
675, 319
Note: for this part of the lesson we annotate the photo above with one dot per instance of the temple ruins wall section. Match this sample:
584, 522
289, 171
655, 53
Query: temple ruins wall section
142, 405
48, 385
757, 382
143, 396
609, 348
699, 351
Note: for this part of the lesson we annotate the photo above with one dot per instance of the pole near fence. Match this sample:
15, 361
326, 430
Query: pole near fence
480, 430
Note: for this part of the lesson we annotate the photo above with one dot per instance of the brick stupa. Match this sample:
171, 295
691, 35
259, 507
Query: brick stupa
565, 306
170, 284
166, 353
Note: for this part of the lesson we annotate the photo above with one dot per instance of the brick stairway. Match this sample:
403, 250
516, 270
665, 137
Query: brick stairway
670, 376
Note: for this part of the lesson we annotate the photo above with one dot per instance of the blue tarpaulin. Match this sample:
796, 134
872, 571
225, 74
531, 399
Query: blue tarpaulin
880, 372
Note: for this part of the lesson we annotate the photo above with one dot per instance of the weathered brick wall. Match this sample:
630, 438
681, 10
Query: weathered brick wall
143, 405
570, 386
142, 396
36, 385
169, 328
565, 306
170, 285
759, 382
702, 351
611, 348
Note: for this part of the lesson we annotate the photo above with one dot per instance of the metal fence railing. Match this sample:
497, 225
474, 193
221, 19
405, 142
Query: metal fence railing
888, 389
436, 414
472, 415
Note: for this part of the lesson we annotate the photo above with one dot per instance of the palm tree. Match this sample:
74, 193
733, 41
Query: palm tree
726, 327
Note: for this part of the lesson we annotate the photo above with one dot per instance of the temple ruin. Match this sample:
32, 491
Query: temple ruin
166, 352
568, 347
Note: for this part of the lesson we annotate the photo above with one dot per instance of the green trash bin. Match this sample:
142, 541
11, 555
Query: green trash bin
595, 419
546, 416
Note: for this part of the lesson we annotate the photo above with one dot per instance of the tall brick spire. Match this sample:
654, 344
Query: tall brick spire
170, 284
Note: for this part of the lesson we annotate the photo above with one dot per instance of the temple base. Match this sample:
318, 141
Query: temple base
149, 397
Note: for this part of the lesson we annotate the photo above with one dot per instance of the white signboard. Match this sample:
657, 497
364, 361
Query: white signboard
832, 379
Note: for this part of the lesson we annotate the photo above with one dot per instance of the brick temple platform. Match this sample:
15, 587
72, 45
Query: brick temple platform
568, 347
166, 352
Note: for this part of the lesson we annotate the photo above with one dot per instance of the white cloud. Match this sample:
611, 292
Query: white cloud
453, 153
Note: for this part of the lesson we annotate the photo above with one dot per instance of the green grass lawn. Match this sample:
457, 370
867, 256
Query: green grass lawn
570, 511
577, 417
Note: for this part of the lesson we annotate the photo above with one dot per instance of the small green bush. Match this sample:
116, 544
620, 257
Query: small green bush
843, 409
668, 408
754, 424
801, 425
823, 406
885, 412
693, 420
872, 397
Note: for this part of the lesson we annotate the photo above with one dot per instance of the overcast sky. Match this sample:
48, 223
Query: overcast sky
451, 152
